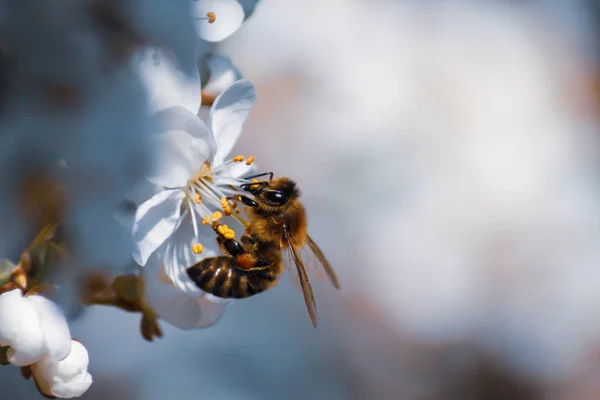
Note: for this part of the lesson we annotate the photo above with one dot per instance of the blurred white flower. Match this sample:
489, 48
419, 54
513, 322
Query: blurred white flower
33, 327
216, 20
218, 73
64, 378
175, 306
167, 85
170, 24
193, 176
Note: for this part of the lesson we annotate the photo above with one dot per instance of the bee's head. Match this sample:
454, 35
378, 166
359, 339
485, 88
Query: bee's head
277, 193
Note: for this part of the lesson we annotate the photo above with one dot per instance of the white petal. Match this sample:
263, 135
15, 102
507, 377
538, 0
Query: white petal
176, 162
155, 221
66, 378
183, 146
222, 74
173, 305
54, 327
20, 329
166, 84
228, 114
179, 255
229, 17
231, 175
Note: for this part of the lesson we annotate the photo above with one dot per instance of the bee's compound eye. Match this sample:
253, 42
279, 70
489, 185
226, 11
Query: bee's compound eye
275, 196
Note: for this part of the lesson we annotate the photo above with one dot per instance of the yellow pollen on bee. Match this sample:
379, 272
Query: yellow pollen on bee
211, 17
229, 234
250, 160
238, 158
197, 198
206, 220
254, 186
197, 248
217, 215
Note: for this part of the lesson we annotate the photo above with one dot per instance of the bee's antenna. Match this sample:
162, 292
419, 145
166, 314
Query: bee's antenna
259, 175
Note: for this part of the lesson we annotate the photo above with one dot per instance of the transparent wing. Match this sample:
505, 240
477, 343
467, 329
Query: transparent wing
322, 262
307, 291
317, 266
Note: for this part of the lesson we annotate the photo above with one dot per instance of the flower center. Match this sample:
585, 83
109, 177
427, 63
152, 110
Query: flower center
207, 194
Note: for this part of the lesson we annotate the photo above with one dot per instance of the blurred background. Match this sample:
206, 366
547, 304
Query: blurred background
449, 158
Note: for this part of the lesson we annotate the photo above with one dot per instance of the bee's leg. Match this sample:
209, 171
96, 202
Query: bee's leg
259, 175
244, 199
246, 238
246, 260
230, 247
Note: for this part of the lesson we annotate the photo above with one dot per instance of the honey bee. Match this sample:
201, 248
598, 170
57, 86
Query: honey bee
277, 224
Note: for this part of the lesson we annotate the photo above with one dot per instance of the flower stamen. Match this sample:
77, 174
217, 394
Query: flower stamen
197, 248
250, 160
238, 158
226, 231
210, 16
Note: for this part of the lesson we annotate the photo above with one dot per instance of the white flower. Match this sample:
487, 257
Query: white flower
193, 176
64, 378
167, 85
175, 306
218, 73
33, 327
218, 19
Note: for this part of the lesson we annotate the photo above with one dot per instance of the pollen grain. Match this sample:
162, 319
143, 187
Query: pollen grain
197, 248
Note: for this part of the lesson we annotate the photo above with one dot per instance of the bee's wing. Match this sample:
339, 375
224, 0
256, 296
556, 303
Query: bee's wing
322, 262
307, 291
316, 264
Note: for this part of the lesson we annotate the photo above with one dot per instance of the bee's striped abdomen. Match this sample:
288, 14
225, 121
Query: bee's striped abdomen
220, 276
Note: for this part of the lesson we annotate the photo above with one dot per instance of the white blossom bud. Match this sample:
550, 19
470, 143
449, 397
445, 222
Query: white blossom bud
66, 378
32, 326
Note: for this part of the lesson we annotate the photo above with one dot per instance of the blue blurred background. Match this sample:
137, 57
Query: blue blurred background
448, 154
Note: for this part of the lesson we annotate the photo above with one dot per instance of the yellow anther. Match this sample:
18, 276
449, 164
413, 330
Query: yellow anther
217, 215
250, 160
197, 248
227, 211
224, 202
206, 220
221, 230
197, 198
211, 17
254, 181
238, 158
229, 234
237, 210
